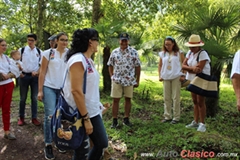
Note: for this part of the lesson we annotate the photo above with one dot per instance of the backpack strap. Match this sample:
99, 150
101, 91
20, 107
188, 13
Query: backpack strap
198, 55
7, 59
22, 50
84, 79
39, 52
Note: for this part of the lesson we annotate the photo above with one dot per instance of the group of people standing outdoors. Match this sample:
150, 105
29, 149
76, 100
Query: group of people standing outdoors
174, 69
43, 72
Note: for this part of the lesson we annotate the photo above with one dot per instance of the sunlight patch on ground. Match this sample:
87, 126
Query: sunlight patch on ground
145, 76
118, 145
3, 149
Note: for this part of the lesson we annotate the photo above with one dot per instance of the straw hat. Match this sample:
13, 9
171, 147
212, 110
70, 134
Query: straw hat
194, 41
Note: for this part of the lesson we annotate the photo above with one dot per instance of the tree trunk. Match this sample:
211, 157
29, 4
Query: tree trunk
105, 73
212, 104
96, 15
39, 28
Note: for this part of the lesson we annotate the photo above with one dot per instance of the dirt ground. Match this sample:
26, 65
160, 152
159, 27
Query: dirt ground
30, 142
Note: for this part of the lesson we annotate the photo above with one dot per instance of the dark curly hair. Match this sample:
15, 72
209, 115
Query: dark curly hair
80, 41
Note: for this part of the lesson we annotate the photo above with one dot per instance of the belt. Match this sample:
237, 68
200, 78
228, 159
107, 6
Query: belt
29, 74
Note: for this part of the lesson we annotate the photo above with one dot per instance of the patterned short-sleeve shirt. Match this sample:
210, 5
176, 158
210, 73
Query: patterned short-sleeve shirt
124, 63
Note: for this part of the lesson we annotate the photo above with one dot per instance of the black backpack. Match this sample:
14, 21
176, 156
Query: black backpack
38, 50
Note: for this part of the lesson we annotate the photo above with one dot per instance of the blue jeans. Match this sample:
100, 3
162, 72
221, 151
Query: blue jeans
25, 82
99, 139
50, 98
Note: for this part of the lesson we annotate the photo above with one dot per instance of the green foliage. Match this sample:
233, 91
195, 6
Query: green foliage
148, 135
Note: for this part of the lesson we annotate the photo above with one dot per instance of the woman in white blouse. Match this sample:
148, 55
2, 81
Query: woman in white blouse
50, 81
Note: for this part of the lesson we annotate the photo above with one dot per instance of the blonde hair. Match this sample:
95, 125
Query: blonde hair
13, 52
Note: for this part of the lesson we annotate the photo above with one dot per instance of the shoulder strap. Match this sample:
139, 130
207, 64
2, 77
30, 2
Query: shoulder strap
7, 59
51, 52
84, 81
22, 50
84, 78
198, 55
38, 50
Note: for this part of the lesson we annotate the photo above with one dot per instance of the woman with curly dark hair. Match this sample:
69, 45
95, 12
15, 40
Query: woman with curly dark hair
84, 44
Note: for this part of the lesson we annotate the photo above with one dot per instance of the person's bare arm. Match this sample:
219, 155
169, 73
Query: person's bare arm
110, 70
137, 74
41, 78
160, 68
76, 73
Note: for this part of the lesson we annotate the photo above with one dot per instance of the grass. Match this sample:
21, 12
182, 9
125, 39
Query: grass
150, 139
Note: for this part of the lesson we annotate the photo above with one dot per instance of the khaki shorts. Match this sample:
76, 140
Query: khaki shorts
118, 90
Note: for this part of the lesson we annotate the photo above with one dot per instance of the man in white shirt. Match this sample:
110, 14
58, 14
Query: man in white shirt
31, 56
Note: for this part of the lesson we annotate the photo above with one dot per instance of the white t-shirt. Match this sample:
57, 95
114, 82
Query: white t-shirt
236, 64
14, 67
192, 61
171, 65
55, 70
5, 68
30, 59
92, 95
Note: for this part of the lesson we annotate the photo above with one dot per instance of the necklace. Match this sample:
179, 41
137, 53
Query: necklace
169, 67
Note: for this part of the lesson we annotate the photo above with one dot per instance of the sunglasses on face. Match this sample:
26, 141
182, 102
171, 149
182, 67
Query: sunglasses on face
63, 40
31, 40
95, 39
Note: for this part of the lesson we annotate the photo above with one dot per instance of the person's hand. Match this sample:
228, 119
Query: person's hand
88, 126
5, 76
40, 96
136, 85
197, 69
19, 67
21, 75
160, 79
182, 78
34, 74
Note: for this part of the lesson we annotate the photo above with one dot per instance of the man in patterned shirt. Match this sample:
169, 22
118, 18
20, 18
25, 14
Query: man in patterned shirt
124, 69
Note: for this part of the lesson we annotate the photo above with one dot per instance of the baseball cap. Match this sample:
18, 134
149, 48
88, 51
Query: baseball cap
124, 36
53, 37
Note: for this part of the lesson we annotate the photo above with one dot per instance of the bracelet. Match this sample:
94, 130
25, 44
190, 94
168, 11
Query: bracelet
85, 115
86, 119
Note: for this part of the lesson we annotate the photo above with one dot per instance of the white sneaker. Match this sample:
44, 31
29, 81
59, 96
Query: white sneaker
192, 125
201, 127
